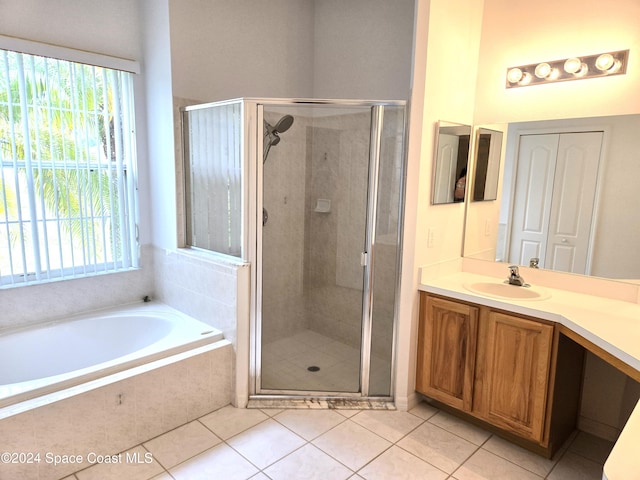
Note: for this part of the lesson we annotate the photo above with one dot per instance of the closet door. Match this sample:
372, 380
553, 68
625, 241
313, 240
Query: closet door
532, 198
574, 192
554, 200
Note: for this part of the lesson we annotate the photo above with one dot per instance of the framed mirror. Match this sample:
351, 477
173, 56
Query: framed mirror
486, 169
451, 160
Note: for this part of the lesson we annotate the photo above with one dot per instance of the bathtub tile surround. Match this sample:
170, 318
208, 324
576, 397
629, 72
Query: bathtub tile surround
38, 303
116, 413
185, 280
285, 444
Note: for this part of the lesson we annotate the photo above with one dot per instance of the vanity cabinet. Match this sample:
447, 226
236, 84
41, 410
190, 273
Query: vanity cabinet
499, 369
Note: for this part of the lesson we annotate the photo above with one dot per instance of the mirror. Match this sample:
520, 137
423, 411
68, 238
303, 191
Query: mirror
450, 163
601, 198
487, 165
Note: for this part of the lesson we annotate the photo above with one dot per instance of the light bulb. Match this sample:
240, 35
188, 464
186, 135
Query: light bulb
526, 79
514, 75
604, 62
543, 70
572, 65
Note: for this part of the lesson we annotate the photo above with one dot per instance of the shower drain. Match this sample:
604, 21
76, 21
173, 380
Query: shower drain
313, 368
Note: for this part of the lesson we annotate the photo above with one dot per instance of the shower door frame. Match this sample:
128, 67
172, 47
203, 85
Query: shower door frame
255, 146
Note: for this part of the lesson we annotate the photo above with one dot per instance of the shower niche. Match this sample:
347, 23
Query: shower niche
310, 193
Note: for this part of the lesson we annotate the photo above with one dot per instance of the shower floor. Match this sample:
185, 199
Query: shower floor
286, 362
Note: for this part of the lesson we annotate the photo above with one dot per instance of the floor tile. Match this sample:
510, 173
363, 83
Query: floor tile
309, 424
466, 430
348, 413
131, 465
438, 447
272, 412
575, 467
308, 463
181, 444
163, 476
591, 447
397, 463
424, 410
518, 455
391, 425
229, 421
221, 461
266, 443
484, 465
351, 444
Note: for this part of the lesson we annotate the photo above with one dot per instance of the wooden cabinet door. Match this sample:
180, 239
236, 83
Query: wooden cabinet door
447, 351
517, 361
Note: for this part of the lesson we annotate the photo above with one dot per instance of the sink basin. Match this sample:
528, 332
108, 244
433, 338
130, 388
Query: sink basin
506, 291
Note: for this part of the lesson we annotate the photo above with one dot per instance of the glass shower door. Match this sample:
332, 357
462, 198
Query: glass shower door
315, 178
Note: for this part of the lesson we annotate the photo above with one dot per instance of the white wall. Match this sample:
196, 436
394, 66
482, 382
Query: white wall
110, 28
160, 164
523, 32
224, 49
447, 36
361, 49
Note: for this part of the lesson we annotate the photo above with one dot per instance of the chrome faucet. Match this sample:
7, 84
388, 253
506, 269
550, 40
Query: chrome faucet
514, 276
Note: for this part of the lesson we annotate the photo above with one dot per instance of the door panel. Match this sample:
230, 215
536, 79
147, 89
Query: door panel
533, 193
573, 201
447, 340
518, 358
446, 160
314, 188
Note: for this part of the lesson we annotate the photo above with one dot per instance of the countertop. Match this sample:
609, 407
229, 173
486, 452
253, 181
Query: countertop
611, 325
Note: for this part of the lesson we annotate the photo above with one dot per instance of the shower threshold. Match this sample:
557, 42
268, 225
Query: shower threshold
321, 403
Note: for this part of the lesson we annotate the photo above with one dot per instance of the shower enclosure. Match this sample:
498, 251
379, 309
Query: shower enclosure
320, 188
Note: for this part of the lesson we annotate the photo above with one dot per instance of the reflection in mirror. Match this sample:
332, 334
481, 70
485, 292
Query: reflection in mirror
487, 164
568, 197
450, 163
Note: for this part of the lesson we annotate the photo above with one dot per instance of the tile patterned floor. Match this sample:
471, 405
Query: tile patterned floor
425, 443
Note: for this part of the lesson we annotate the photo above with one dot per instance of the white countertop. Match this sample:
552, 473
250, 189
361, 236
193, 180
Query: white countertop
612, 325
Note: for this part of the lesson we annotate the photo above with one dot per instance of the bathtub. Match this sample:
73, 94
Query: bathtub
46, 358
106, 382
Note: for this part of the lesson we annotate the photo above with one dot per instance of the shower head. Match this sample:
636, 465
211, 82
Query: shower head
284, 124
272, 131
281, 126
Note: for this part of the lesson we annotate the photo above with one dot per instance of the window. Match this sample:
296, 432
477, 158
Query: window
67, 176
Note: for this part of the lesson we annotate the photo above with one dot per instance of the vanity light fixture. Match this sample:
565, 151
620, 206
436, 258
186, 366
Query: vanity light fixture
574, 68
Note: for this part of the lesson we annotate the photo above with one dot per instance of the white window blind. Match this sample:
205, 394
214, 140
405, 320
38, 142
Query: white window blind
67, 182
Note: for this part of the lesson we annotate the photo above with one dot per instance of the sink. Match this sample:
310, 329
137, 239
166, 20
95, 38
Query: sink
506, 291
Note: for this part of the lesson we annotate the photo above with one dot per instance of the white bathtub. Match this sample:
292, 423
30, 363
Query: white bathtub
50, 357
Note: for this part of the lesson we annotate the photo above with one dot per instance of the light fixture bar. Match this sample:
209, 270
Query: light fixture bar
575, 68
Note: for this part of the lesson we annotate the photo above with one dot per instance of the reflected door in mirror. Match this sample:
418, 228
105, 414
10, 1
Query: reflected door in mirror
554, 200
450, 163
